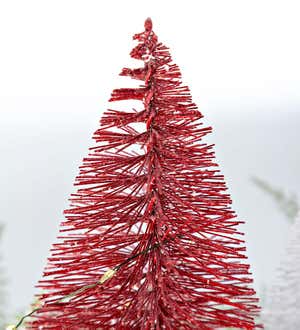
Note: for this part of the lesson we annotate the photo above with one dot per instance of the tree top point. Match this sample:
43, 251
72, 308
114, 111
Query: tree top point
148, 24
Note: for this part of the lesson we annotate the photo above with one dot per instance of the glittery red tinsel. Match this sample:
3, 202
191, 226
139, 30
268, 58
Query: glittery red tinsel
152, 202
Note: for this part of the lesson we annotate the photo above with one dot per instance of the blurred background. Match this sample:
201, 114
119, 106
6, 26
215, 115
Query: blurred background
61, 59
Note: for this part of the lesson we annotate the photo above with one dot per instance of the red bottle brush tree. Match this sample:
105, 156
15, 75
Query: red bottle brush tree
149, 241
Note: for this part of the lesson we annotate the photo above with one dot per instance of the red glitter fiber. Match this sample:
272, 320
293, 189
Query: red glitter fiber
151, 213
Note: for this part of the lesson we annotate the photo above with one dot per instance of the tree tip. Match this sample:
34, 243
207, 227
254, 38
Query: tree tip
148, 24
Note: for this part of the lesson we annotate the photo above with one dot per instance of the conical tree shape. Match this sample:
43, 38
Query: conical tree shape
150, 241
282, 310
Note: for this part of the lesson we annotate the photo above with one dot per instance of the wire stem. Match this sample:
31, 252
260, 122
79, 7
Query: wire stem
106, 276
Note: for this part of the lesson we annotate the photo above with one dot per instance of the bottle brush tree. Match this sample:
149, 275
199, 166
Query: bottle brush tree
149, 240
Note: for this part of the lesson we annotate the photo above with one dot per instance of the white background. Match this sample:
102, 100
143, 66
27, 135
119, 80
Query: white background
59, 61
